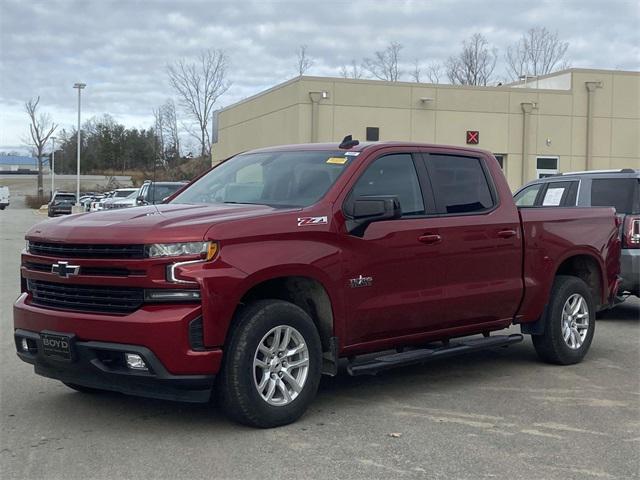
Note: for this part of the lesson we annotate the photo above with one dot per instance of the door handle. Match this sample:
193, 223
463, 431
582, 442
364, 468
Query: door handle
507, 233
430, 238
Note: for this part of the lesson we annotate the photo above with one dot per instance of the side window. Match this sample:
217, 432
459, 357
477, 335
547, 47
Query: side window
459, 184
621, 193
393, 175
560, 194
527, 196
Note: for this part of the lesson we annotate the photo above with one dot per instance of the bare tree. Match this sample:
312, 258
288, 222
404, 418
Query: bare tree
199, 85
167, 133
538, 52
416, 72
41, 128
353, 70
303, 63
434, 72
384, 64
474, 65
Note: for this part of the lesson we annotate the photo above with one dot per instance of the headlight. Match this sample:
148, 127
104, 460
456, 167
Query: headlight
27, 245
206, 250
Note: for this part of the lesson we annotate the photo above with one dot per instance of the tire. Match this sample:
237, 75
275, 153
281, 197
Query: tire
82, 389
551, 346
240, 379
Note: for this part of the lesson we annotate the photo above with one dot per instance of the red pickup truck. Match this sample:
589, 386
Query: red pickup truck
259, 276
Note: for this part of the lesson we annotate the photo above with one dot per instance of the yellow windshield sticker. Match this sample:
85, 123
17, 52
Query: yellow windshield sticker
337, 160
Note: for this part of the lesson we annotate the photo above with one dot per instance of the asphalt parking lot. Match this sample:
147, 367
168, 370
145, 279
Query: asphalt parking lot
495, 414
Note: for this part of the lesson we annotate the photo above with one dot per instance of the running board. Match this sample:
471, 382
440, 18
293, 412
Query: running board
422, 355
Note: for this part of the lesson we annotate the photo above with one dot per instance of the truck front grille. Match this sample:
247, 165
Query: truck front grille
86, 251
98, 299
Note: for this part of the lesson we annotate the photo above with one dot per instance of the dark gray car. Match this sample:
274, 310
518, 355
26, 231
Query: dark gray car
616, 188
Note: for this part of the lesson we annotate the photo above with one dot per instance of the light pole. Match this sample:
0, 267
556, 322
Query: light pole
79, 86
53, 163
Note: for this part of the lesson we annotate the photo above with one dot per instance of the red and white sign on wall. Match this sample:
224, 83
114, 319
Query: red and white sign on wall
473, 137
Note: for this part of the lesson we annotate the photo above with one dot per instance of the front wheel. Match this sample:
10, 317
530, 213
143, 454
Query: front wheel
569, 322
272, 366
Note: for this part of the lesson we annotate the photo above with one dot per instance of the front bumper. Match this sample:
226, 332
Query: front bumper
160, 332
101, 365
630, 270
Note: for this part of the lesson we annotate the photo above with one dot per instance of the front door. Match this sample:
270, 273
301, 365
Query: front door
393, 277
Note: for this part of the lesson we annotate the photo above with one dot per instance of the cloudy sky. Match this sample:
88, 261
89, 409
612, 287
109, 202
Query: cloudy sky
121, 48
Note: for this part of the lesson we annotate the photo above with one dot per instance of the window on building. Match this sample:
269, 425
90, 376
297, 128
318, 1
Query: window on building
459, 183
546, 166
373, 134
393, 175
500, 158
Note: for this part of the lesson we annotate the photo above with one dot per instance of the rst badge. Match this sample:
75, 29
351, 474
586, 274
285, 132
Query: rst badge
304, 221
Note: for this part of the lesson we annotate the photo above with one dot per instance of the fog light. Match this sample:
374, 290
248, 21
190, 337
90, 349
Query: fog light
171, 295
135, 361
24, 345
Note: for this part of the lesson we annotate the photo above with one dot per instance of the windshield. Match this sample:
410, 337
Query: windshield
65, 198
280, 179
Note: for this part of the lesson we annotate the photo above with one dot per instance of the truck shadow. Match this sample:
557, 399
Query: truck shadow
120, 413
627, 311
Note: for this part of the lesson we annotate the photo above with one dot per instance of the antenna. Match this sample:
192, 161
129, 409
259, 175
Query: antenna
348, 142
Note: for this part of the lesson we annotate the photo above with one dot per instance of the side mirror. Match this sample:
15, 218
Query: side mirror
140, 200
362, 211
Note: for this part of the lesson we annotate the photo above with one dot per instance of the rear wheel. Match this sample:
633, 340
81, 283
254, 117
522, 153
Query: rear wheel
272, 366
569, 322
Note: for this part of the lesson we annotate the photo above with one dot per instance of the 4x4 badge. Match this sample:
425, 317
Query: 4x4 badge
361, 282
64, 269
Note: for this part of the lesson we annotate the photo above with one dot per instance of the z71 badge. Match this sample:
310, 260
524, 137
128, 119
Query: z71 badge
304, 221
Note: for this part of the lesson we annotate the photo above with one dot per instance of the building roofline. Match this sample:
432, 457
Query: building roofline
367, 81
574, 70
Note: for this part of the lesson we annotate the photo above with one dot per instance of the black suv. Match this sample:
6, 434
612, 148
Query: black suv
61, 204
597, 188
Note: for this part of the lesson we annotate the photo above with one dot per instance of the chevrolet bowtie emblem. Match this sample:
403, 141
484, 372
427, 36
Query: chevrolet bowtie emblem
65, 270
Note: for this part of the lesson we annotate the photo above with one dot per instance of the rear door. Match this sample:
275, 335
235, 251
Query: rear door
480, 241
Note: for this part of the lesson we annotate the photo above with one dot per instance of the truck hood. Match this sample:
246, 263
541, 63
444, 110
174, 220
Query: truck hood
151, 224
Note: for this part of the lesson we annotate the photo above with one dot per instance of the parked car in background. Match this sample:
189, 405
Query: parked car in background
118, 194
127, 202
85, 199
96, 205
4, 197
156, 192
61, 203
603, 188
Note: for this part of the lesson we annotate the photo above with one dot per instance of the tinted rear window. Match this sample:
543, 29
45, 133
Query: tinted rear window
459, 184
621, 193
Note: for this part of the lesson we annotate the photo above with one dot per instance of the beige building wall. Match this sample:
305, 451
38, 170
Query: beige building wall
557, 121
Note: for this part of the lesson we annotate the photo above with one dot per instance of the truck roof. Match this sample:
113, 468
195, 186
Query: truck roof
362, 146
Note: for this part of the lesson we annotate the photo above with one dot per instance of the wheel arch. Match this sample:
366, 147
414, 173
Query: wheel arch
304, 290
587, 267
